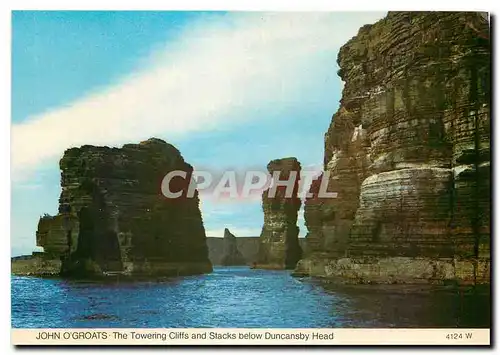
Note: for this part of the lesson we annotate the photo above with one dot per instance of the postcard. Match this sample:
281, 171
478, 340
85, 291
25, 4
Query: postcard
250, 178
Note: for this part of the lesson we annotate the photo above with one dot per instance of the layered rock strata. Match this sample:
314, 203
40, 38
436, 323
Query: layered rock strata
279, 245
408, 153
113, 218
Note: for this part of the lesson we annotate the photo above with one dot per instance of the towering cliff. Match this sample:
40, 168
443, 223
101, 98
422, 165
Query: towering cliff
279, 245
113, 217
408, 153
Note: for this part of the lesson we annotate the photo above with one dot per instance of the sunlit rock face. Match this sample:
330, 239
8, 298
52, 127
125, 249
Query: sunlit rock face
408, 152
113, 217
279, 244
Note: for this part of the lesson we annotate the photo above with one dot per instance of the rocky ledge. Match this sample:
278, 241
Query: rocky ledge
408, 153
114, 220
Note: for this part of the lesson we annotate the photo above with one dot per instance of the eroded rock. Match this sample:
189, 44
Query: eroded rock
279, 245
113, 218
408, 151
232, 255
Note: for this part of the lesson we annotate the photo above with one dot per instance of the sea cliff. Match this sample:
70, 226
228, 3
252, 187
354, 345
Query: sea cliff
408, 153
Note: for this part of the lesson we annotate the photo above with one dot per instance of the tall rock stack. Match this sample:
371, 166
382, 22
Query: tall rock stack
113, 217
279, 245
408, 153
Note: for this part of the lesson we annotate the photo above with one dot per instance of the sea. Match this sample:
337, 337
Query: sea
241, 297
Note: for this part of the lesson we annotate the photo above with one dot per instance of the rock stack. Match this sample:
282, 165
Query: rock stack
113, 217
279, 245
232, 255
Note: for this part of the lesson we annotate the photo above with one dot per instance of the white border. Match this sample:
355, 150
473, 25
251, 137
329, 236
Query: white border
253, 5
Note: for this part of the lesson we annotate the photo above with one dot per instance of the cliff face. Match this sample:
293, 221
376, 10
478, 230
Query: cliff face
248, 247
232, 255
113, 217
279, 245
408, 153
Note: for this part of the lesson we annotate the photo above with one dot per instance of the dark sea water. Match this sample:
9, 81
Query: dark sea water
241, 297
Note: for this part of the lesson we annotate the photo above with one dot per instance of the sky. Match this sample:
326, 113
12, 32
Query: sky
231, 90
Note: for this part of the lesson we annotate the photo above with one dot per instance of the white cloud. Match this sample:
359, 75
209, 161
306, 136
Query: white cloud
217, 68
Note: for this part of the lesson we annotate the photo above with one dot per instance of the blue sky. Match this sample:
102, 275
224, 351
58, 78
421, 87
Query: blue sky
229, 90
